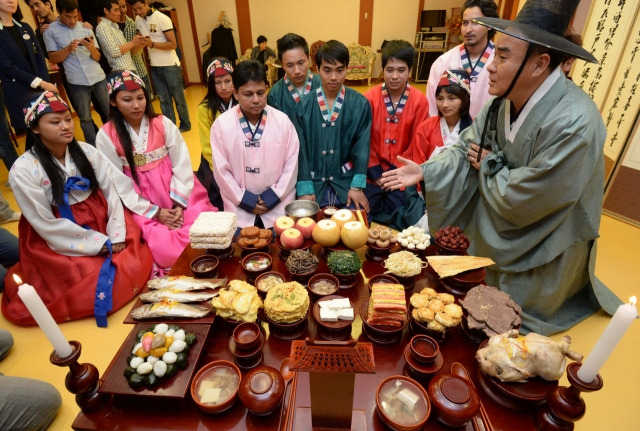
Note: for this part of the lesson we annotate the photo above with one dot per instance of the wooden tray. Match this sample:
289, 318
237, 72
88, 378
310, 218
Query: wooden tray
177, 386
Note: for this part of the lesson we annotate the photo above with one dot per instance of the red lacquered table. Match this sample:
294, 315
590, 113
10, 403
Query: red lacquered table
157, 413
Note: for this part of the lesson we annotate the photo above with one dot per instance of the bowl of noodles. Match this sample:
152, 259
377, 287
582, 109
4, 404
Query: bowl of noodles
405, 267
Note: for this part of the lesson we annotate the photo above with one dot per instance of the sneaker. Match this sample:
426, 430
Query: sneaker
15, 217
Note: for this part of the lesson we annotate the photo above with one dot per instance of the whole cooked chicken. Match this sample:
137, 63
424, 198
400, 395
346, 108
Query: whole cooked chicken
511, 357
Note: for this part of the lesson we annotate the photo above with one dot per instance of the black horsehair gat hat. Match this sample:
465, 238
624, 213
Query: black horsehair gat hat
542, 22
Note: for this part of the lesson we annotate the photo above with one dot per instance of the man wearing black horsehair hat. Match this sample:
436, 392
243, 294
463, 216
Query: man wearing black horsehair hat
531, 199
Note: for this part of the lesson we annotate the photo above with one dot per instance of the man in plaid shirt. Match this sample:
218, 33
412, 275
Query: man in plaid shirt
128, 28
114, 46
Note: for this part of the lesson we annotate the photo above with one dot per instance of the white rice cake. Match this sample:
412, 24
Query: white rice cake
408, 397
345, 314
327, 315
213, 224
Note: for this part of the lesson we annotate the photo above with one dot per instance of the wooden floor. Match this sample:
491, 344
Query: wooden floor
615, 407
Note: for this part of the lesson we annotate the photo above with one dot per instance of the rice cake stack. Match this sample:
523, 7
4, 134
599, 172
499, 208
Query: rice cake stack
387, 305
213, 230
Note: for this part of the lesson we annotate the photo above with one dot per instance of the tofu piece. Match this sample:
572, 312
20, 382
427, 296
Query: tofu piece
339, 303
345, 314
211, 396
328, 315
408, 397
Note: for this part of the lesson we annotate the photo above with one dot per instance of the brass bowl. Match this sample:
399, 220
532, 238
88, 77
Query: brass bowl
301, 208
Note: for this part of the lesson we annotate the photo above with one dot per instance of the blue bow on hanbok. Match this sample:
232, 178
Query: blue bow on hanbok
103, 302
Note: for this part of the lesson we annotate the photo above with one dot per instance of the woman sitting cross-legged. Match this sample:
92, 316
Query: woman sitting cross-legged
78, 247
152, 153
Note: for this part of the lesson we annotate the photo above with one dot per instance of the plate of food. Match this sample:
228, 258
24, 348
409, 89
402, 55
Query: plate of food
119, 377
180, 299
252, 239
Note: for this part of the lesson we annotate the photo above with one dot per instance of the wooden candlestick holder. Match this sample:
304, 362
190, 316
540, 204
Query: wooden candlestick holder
82, 380
564, 405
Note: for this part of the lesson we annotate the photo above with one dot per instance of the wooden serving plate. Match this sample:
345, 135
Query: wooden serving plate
176, 386
513, 395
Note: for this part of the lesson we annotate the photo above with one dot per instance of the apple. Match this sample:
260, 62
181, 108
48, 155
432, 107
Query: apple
342, 216
326, 233
291, 238
354, 234
305, 225
282, 223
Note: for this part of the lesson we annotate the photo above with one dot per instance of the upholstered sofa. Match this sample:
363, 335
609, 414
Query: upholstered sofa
360, 63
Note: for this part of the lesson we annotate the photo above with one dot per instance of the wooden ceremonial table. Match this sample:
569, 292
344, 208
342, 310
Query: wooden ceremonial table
155, 413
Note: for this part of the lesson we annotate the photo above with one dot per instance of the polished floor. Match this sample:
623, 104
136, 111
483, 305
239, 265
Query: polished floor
615, 407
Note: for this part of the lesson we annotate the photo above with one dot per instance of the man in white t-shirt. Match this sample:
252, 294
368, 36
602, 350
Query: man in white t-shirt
473, 55
166, 73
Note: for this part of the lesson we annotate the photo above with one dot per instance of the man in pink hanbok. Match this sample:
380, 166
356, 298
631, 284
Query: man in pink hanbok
152, 144
255, 152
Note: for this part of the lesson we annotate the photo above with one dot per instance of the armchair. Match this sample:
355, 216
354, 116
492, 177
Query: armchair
360, 62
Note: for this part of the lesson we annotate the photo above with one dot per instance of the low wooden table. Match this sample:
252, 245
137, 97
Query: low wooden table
142, 413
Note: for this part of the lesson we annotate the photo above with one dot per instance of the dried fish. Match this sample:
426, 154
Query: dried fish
178, 295
185, 283
169, 309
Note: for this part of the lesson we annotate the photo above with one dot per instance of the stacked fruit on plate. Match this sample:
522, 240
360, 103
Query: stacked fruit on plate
292, 233
342, 226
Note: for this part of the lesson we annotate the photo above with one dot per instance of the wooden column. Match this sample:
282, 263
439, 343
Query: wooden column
244, 25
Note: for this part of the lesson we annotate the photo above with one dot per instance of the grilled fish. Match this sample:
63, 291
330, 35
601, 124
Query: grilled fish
169, 309
185, 283
177, 295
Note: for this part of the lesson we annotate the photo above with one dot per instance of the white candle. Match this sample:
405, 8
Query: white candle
620, 322
43, 318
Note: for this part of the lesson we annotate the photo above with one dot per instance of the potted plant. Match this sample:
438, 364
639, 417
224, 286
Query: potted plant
344, 264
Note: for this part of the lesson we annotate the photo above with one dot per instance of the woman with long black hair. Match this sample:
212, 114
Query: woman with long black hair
150, 150
219, 99
78, 247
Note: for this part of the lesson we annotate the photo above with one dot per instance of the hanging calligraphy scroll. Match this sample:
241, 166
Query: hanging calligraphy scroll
621, 105
605, 36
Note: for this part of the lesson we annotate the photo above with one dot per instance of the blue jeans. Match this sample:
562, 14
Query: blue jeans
81, 96
167, 81
9, 254
7, 150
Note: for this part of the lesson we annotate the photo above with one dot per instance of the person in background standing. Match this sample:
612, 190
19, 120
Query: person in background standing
262, 52
160, 40
23, 66
473, 55
298, 82
128, 28
70, 43
114, 46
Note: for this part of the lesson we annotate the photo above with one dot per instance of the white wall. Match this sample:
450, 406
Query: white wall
313, 20
207, 13
392, 22
189, 61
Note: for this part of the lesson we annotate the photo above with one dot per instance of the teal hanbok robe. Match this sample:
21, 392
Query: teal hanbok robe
535, 205
336, 154
280, 98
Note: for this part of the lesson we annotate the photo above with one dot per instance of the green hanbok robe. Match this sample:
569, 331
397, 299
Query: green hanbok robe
535, 205
334, 153
280, 97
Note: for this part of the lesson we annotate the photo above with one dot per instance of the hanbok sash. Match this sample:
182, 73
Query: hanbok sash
255, 135
477, 68
294, 91
394, 113
103, 302
330, 117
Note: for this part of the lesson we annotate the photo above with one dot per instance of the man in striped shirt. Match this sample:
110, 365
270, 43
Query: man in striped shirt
128, 28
